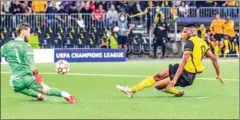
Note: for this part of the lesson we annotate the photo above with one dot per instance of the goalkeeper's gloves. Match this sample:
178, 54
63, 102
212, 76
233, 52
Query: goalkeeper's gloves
37, 76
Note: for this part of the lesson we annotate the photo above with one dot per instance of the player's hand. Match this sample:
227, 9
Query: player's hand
171, 84
221, 80
37, 76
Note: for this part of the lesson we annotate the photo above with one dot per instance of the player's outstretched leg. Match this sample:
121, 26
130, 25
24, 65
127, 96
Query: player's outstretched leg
162, 84
33, 93
56, 92
148, 82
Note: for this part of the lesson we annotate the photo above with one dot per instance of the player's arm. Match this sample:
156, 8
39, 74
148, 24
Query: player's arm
30, 59
188, 48
211, 27
215, 64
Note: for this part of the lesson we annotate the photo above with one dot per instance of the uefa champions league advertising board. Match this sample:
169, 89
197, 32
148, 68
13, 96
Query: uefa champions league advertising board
90, 55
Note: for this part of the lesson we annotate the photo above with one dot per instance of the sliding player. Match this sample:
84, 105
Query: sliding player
25, 78
182, 74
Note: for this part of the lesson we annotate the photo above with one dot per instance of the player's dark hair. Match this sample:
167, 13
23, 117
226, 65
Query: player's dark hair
23, 26
191, 25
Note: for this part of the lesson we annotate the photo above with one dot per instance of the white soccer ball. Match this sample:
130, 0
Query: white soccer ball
62, 67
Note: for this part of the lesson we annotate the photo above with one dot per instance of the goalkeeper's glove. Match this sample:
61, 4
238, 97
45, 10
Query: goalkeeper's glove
37, 76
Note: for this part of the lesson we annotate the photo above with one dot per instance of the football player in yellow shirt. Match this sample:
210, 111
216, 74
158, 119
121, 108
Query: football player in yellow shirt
229, 33
217, 29
182, 74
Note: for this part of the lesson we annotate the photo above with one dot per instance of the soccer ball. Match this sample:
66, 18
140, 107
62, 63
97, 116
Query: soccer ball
62, 67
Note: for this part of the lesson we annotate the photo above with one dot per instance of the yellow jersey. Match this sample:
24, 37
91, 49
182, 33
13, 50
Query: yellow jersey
217, 26
229, 28
39, 6
231, 3
203, 32
198, 47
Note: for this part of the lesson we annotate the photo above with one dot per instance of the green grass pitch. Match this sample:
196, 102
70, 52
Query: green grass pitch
93, 84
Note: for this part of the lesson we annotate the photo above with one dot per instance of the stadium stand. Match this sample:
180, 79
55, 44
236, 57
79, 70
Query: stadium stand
71, 24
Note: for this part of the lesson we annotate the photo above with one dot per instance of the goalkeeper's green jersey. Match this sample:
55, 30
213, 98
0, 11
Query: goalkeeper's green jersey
19, 56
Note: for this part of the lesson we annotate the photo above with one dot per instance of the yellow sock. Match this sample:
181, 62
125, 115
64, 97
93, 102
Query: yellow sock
216, 49
144, 84
233, 48
226, 49
236, 48
230, 46
171, 91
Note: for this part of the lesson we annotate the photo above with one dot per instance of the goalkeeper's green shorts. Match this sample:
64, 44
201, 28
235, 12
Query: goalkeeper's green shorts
25, 82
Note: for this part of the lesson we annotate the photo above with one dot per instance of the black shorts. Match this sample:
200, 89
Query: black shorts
218, 37
230, 38
122, 40
185, 79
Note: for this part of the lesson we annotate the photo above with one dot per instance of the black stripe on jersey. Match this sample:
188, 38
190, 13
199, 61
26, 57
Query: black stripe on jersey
193, 63
188, 46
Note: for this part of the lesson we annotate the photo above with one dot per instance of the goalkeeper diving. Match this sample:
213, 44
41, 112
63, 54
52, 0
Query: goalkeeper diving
25, 77
182, 74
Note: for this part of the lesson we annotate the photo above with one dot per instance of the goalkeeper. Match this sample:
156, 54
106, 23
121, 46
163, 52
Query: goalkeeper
25, 78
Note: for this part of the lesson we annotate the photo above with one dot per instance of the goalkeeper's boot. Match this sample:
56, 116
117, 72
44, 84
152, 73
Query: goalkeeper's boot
71, 99
125, 90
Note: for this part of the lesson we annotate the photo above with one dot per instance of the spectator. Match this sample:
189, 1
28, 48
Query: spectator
2, 10
25, 8
178, 3
86, 9
52, 8
150, 4
230, 11
122, 6
16, 7
173, 11
184, 10
61, 10
39, 6
92, 5
99, 15
124, 31
73, 9
66, 5
209, 3
136, 8
112, 15
5, 6
79, 5
165, 3
27, 3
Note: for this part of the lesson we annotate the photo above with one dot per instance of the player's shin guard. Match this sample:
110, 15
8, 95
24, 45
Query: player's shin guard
144, 84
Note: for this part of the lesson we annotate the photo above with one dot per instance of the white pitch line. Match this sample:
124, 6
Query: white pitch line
115, 75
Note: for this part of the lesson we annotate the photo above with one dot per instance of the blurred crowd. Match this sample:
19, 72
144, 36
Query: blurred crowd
103, 7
